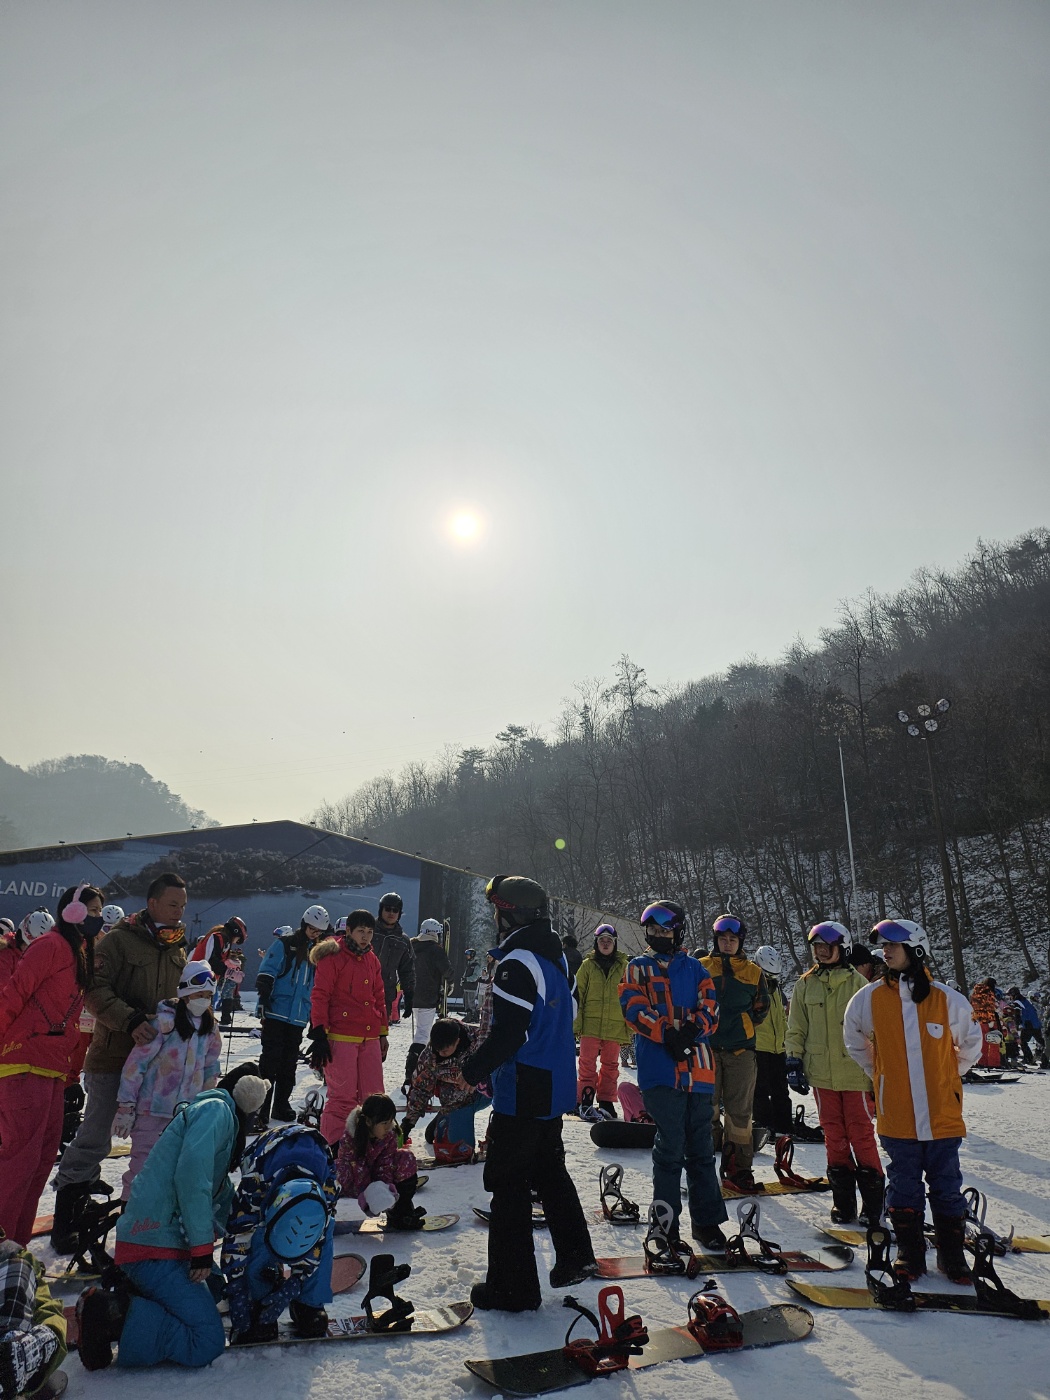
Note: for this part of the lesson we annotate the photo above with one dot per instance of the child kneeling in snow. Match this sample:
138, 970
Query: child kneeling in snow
32, 1324
180, 1061
373, 1168
440, 1071
278, 1248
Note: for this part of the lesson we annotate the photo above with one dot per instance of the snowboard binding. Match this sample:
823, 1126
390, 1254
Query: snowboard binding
664, 1252
991, 1290
616, 1208
313, 1107
887, 1289
383, 1279
589, 1111
713, 1322
976, 1210
767, 1255
618, 1337
784, 1164
802, 1130
96, 1221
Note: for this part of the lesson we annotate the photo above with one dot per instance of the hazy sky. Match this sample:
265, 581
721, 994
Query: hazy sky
712, 314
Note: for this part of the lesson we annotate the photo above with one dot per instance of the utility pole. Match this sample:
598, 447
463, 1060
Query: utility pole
924, 727
849, 839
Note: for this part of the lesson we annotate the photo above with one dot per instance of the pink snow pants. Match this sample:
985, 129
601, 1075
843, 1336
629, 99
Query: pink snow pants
354, 1072
148, 1128
592, 1052
31, 1109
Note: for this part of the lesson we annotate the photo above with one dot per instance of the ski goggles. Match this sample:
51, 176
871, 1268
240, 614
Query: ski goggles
605, 931
826, 933
663, 918
727, 924
197, 979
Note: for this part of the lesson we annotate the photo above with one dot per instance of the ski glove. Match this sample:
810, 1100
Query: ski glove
796, 1075
124, 1121
406, 1004
679, 1040
321, 1051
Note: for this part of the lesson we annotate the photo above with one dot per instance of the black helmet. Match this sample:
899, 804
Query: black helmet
392, 901
517, 900
664, 921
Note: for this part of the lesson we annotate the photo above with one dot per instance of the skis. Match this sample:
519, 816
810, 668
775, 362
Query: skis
826, 1296
376, 1225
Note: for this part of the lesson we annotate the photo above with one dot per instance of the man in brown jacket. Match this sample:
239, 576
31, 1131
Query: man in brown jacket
138, 964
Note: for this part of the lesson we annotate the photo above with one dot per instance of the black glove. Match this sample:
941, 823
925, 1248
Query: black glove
796, 1076
320, 1050
679, 1040
406, 1004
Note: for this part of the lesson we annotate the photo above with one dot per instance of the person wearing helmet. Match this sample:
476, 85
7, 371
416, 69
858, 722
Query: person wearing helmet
772, 1103
743, 1004
285, 983
668, 1001
217, 942
111, 914
530, 1054
600, 1022
7, 930
32, 927
817, 1057
1031, 1026
432, 971
396, 955
916, 1038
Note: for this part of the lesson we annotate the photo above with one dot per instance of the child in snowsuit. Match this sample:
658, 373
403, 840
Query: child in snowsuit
373, 1168
284, 984
180, 1061
160, 1308
772, 1103
599, 1022
32, 1323
439, 1073
348, 1021
277, 1252
433, 970
915, 1038
817, 1058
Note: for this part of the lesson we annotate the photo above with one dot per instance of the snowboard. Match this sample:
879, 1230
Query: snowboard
539, 1220
430, 1164
1020, 1244
376, 1225
616, 1134
829, 1260
830, 1297
42, 1225
541, 1372
347, 1272
775, 1188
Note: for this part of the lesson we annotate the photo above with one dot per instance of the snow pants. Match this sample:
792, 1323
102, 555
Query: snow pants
457, 1126
280, 1056
772, 1102
526, 1155
148, 1128
170, 1318
734, 1094
354, 1071
631, 1101
82, 1159
683, 1139
910, 1161
848, 1119
593, 1052
423, 1018
31, 1111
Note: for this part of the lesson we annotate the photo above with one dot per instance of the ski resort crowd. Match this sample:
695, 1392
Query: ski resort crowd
122, 1001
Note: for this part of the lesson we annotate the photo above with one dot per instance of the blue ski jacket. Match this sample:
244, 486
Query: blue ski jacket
285, 982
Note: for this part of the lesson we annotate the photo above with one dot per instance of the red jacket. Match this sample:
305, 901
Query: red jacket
10, 957
348, 998
41, 996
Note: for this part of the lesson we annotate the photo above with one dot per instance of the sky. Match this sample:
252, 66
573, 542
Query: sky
706, 317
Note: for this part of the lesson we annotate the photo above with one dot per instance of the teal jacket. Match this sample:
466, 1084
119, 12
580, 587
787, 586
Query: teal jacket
181, 1198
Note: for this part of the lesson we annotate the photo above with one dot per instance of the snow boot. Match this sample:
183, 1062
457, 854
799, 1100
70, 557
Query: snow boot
575, 1269
908, 1229
23, 1356
488, 1299
403, 1215
101, 1310
872, 1187
70, 1202
307, 1321
843, 1194
414, 1051
949, 1232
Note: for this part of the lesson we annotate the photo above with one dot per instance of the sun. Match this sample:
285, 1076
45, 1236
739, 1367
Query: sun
465, 526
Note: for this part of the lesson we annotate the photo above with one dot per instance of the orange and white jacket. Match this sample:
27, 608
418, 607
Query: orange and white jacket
915, 1055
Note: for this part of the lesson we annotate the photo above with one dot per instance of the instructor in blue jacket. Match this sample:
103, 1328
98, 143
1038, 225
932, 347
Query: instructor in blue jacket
530, 1054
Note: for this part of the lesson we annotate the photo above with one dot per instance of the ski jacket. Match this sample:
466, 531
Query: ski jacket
573, 960
1029, 1015
212, 950
168, 1070
530, 1051
285, 982
274, 1157
23, 1287
598, 996
432, 969
10, 957
770, 1034
136, 968
435, 1077
40, 1011
382, 1160
397, 961
743, 1000
814, 1029
658, 992
915, 1054
348, 998
181, 1198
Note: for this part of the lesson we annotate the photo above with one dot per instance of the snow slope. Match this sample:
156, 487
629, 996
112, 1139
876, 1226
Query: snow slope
858, 1354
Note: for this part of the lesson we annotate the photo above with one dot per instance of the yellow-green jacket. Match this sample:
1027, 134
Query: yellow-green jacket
814, 1031
600, 1012
770, 1033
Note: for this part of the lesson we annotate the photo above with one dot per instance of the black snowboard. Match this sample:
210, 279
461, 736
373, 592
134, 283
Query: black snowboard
616, 1134
541, 1372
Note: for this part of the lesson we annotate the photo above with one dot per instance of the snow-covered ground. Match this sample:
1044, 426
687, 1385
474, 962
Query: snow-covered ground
931, 1357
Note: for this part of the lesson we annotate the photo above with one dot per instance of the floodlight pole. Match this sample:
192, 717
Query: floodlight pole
849, 839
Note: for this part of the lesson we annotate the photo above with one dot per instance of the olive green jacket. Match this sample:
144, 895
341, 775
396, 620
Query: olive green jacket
770, 1033
133, 972
600, 1012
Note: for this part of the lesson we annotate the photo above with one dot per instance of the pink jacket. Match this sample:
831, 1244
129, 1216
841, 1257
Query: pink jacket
383, 1160
41, 997
348, 997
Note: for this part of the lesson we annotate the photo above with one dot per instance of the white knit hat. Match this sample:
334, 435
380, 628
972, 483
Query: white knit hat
249, 1092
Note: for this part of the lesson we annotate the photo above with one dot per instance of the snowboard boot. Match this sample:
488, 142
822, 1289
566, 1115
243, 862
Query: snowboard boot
872, 1187
258, 1334
414, 1051
910, 1262
101, 1310
574, 1269
403, 1215
710, 1238
608, 1107
307, 1321
488, 1299
70, 1202
949, 1233
283, 1111
735, 1172
843, 1194
23, 1356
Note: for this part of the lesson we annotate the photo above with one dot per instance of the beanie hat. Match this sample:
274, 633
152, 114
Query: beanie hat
249, 1093
197, 980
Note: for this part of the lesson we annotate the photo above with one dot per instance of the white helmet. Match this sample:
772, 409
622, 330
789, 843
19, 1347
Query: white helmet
830, 932
904, 931
6, 926
111, 914
317, 917
340, 924
283, 931
35, 925
431, 931
768, 959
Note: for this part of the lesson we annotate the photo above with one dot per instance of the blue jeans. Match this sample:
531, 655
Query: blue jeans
170, 1318
458, 1125
939, 1160
683, 1139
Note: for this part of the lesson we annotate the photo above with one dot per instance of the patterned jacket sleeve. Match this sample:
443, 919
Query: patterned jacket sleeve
640, 995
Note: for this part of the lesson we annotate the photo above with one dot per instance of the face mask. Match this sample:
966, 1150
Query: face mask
92, 925
197, 1006
661, 945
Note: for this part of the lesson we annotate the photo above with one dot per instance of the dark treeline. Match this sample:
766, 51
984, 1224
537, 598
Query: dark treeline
730, 788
